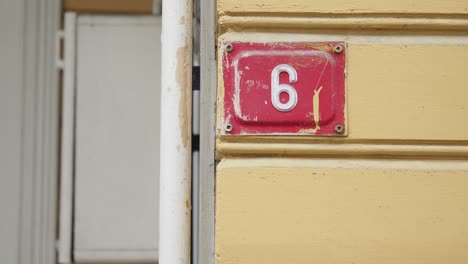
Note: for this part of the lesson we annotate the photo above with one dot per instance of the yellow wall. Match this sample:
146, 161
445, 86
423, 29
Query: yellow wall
395, 190
332, 211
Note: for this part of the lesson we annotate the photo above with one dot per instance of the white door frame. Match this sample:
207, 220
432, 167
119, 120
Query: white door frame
39, 133
206, 195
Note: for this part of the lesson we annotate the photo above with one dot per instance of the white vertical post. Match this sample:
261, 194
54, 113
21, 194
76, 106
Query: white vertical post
67, 152
175, 146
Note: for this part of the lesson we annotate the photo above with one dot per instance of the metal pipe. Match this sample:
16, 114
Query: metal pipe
175, 166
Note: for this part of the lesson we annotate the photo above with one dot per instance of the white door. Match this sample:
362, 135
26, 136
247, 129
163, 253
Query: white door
117, 138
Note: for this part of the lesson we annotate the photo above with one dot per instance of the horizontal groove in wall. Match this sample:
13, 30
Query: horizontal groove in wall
348, 23
344, 15
341, 150
294, 139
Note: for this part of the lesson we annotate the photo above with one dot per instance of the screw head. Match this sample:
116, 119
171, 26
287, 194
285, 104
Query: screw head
339, 129
228, 127
338, 49
229, 47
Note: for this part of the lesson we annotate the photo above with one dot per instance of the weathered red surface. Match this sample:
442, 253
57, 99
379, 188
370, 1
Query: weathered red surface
320, 85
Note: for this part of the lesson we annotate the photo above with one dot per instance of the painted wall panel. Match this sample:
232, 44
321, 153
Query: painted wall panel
407, 91
343, 6
285, 210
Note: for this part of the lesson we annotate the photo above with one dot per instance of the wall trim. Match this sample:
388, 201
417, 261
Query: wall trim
206, 228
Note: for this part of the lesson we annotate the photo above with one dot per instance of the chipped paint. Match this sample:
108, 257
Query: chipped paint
315, 113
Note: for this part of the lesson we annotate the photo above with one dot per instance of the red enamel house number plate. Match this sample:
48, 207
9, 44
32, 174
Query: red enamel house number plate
284, 88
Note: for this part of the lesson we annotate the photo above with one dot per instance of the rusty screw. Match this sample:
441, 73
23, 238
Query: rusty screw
228, 127
339, 129
229, 47
338, 49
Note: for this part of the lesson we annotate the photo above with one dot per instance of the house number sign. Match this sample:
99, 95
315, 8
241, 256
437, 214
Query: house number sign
283, 88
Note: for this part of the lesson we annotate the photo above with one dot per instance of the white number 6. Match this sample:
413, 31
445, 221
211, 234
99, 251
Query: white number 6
277, 88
